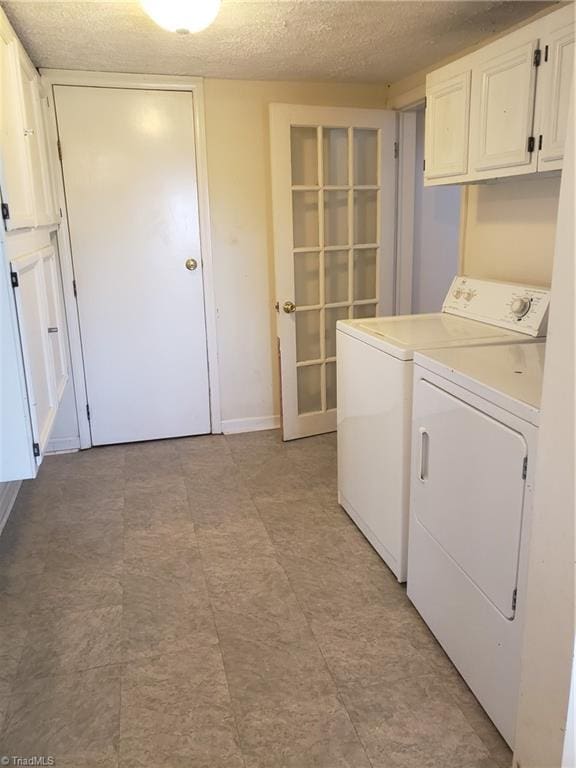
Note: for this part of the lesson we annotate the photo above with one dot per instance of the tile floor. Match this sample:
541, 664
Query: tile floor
205, 603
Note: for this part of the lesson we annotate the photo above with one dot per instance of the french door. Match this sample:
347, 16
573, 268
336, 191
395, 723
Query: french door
334, 200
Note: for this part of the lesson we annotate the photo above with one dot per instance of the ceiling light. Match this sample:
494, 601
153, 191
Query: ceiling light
182, 16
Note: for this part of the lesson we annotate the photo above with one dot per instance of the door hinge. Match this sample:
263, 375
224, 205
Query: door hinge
424, 165
14, 279
5, 211
395, 150
74, 289
531, 143
425, 101
540, 142
525, 468
88, 411
59, 150
546, 53
514, 599
537, 57
36, 449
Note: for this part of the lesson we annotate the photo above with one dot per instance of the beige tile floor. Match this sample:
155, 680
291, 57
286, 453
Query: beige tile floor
205, 603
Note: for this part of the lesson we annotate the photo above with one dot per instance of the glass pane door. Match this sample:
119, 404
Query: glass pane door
334, 209
336, 240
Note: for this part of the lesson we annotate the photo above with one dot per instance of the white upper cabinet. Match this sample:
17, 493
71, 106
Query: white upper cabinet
518, 96
15, 172
502, 112
35, 136
447, 124
554, 87
25, 176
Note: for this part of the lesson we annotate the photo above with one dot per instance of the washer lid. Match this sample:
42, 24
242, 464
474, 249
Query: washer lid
402, 335
509, 375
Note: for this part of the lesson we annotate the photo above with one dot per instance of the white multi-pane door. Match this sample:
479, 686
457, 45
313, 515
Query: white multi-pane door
334, 198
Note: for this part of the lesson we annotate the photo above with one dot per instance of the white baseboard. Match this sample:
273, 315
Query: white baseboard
251, 424
62, 445
8, 493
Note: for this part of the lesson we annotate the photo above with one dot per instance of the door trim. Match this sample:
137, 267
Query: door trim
195, 86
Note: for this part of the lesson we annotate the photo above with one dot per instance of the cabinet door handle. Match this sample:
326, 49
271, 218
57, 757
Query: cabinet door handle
52, 329
424, 453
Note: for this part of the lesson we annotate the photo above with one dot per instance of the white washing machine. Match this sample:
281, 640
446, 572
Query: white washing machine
375, 366
475, 427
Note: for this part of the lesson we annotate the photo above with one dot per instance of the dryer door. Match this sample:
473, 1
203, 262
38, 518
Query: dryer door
470, 490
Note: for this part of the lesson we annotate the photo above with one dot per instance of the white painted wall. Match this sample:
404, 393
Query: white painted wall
509, 229
549, 633
436, 235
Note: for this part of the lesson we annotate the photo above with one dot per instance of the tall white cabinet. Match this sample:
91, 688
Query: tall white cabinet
502, 110
33, 331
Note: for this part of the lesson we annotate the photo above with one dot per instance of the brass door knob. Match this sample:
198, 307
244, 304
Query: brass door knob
289, 307
191, 264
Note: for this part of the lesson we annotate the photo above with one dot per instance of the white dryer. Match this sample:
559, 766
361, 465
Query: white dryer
374, 408
475, 426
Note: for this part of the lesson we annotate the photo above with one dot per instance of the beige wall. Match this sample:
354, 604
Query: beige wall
508, 230
241, 226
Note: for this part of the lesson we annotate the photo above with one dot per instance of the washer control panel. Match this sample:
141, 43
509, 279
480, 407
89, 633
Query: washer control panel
516, 307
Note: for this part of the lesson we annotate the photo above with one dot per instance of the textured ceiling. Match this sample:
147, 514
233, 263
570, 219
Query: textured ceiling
374, 41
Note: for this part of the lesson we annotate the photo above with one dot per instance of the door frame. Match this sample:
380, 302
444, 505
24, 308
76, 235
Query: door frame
195, 86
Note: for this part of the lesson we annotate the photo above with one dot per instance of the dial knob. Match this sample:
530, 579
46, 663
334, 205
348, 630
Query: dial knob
520, 307
469, 295
457, 293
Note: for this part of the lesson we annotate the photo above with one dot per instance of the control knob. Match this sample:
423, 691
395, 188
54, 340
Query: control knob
520, 307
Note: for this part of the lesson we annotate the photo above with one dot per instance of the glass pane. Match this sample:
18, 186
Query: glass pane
365, 274
365, 156
336, 218
365, 216
335, 276
309, 384
304, 146
332, 315
330, 386
335, 156
305, 223
364, 310
307, 278
308, 335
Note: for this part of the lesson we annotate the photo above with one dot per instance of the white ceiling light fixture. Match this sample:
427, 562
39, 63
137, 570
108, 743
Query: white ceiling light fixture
182, 16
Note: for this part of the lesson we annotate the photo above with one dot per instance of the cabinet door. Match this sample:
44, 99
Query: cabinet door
468, 489
15, 175
33, 317
555, 83
502, 111
447, 126
37, 147
56, 327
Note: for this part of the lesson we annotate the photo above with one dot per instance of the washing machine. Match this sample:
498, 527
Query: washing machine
474, 441
374, 401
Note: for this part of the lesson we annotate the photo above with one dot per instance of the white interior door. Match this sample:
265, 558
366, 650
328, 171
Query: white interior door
334, 197
128, 159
